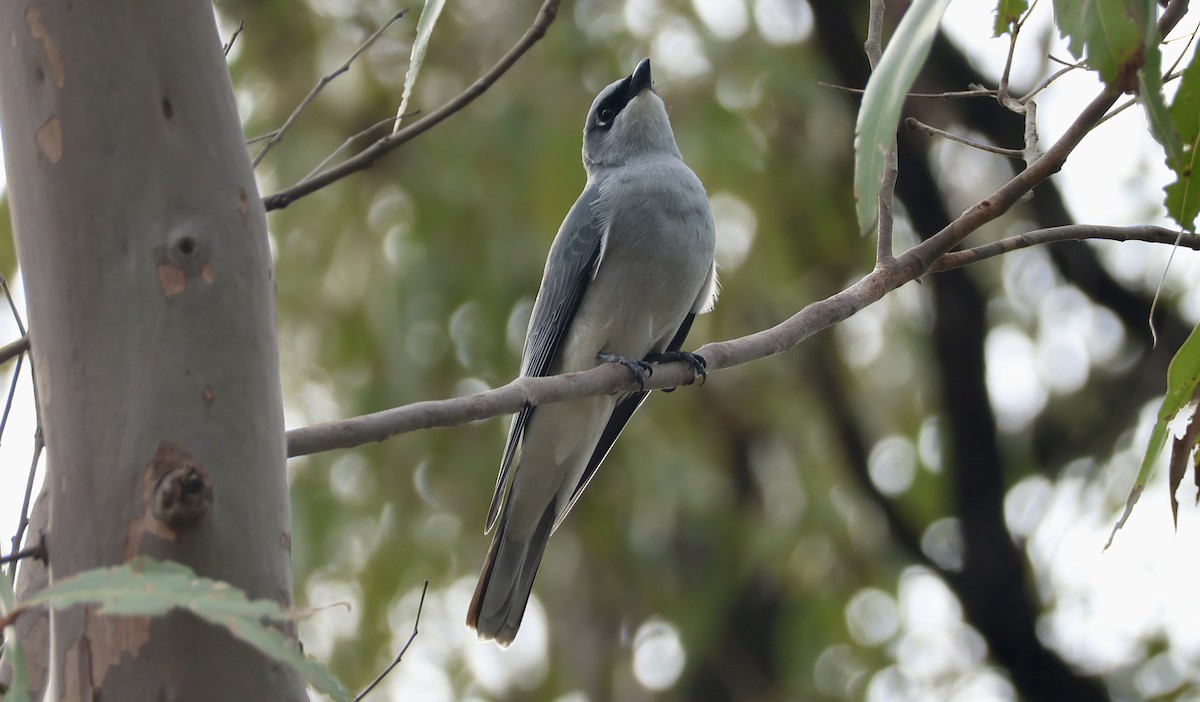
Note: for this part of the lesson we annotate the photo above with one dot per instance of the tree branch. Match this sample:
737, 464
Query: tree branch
1073, 232
277, 135
367, 157
14, 348
608, 378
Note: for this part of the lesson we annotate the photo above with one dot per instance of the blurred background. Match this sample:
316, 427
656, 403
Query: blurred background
911, 506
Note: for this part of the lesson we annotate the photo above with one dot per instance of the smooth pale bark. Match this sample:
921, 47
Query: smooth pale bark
144, 251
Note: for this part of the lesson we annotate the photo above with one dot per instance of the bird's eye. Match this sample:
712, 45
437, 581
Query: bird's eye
605, 116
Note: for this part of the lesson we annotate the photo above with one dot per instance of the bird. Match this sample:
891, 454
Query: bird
632, 265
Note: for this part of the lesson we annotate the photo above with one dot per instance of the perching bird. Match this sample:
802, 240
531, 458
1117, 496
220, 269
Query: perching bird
630, 268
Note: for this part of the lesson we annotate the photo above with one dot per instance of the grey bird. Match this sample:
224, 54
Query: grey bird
630, 268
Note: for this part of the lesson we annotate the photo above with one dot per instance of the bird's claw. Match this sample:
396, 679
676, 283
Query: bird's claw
640, 369
696, 361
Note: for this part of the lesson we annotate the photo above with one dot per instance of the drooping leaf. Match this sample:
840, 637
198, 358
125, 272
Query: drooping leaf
146, 587
875, 131
1150, 94
1108, 34
429, 17
1183, 196
1007, 12
1183, 375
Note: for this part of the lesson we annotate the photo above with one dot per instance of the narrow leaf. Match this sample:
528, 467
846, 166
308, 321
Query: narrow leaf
429, 17
1007, 12
1183, 196
1150, 94
884, 95
147, 587
1183, 375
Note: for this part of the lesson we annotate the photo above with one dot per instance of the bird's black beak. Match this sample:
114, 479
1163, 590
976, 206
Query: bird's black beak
639, 80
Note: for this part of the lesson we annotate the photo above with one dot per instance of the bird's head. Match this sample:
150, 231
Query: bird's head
627, 121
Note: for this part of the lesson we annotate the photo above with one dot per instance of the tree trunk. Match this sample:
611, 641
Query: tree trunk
151, 312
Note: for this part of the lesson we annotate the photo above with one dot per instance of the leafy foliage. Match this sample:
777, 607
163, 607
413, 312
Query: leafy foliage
1109, 34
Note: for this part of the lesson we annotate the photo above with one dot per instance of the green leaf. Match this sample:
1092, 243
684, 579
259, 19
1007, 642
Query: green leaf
1183, 375
1110, 34
880, 112
1183, 196
429, 17
14, 653
1007, 12
146, 587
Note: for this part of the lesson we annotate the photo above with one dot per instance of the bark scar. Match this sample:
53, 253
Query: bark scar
177, 494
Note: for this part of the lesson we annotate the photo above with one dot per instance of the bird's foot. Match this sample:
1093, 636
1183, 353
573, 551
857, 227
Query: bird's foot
697, 362
640, 369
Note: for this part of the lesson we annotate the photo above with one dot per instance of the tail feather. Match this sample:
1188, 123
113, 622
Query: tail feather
507, 580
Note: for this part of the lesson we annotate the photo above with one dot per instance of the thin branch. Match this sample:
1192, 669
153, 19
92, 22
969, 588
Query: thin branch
237, 32
1072, 232
38, 552
914, 123
14, 348
12, 391
326, 80
1046, 83
815, 317
38, 445
367, 157
873, 47
610, 378
12, 305
977, 91
346, 144
396, 661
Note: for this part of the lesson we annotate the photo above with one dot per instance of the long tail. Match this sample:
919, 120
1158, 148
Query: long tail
507, 579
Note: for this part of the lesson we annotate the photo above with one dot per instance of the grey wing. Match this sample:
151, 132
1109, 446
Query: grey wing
570, 267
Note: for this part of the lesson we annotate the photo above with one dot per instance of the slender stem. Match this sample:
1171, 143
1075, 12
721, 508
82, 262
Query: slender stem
277, 136
1072, 232
396, 661
914, 123
873, 47
367, 157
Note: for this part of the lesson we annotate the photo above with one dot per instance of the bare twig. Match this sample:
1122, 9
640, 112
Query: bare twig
978, 91
12, 391
411, 638
1046, 83
12, 305
236, 33
367, 157
914, 123
1072, 232
351, 140
38, 445
38, 552
873, 47
14, 348
326, 80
